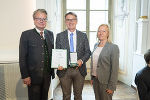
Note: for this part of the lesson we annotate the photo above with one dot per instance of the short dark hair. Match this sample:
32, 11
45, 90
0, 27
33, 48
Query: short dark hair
39, 10
147, 56
70, 13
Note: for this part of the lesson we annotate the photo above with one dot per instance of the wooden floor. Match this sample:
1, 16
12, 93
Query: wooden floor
123, 92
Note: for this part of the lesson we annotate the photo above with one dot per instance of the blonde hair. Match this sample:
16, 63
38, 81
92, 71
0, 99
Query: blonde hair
108, 38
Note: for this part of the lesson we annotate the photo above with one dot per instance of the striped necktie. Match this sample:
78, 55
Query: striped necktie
41, 34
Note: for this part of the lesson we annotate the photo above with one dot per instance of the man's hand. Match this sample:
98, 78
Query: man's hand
79, 62
91, 82
109, 91
27, 81
60, 68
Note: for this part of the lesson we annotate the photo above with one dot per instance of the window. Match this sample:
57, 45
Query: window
91, 13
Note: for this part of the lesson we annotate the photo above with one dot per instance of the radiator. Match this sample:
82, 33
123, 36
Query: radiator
11, 86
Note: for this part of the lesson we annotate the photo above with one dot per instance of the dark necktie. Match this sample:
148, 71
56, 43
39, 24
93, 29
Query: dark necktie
71, 43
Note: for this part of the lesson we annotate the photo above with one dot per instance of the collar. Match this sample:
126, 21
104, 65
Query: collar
39, 30
71, 32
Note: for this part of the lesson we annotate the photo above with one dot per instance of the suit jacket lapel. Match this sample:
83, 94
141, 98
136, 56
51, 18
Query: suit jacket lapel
48, 38
66, 41
45, 35
104, 49
35, 31
78, 40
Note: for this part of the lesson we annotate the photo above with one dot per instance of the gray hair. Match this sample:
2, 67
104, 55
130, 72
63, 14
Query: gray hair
39, 10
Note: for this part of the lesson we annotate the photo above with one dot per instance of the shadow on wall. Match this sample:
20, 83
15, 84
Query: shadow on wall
11, 86
21, 91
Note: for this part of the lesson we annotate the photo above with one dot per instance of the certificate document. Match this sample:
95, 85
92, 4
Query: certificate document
59, 58
73, 59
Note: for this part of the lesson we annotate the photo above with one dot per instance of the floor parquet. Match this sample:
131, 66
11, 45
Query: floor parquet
123, 92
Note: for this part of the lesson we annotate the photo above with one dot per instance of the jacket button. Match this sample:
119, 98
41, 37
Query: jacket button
41, 68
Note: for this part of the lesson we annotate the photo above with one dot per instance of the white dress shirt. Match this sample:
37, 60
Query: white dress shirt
74, 39
40, 31
96, 54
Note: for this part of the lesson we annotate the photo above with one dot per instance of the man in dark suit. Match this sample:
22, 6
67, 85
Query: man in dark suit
142, 79
76, 44
35, 52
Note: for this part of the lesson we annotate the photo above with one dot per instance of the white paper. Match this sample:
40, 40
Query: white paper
59, 58
73, 58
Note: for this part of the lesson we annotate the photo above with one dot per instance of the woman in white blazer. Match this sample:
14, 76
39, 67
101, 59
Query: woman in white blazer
104, 65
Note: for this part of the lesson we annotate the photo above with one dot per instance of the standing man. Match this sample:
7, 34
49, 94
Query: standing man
142, 79
35, 52
77, 46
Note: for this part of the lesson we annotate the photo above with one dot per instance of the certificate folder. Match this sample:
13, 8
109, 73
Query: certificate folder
59, 58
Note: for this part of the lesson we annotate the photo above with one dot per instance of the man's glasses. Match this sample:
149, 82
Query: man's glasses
71, 20
41, 19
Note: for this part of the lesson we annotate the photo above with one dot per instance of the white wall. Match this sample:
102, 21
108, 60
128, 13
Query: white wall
148, 39
138, 64
123, 35
16, 16
126, 75
126, 35
143, 35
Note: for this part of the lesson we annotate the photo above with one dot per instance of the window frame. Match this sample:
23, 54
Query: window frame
88, 16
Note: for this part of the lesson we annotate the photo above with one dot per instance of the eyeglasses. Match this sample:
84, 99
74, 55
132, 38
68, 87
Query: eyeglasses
102, 31
41, 19
70, 20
